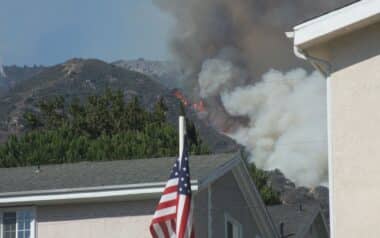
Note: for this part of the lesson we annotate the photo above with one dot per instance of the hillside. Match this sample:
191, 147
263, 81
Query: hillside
165, 72
16, 75
78, 78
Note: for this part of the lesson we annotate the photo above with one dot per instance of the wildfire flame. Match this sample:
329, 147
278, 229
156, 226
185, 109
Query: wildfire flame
198, 106
181, 97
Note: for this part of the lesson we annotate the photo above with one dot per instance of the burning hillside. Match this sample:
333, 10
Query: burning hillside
196, 106
227, 50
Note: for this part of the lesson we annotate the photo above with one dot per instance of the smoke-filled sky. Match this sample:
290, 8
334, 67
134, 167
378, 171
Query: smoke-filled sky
51, 31
232, 52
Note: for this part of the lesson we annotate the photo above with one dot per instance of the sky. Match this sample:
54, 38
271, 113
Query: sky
48, 32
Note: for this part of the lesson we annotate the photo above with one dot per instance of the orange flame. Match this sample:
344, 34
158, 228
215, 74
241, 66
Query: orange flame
181, 97
199, 107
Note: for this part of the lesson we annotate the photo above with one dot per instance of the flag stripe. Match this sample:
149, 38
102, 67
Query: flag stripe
171, 189
170, 228
183, 229
172, 182
164, 218
157, 229
168, 197
152, 231
164, 229
166, 211
173, 214
167, 204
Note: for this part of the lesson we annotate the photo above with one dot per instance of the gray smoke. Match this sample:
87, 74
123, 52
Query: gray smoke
2, 72
225, 47
287, 127
249, 33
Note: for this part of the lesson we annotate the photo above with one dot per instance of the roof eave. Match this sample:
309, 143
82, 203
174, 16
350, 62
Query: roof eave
123, 192
137, 191
305, 229
335, 23
219, 172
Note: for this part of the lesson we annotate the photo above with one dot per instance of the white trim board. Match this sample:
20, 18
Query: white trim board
77, 196
137, 191
254, 201
101, 193
337, 22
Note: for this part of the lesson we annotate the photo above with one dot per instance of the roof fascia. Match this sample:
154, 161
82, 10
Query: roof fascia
135, 192
253, 198
353, 16
302, 233
131, 191
220, 171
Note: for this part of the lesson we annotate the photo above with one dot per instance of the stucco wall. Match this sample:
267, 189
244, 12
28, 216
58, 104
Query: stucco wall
132, 218
97, 220
355, 135
355, 131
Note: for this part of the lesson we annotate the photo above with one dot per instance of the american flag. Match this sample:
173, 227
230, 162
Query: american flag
173, 215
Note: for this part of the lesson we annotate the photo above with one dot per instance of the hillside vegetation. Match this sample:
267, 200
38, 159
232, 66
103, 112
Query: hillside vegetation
80, 78
65, 115
104, 127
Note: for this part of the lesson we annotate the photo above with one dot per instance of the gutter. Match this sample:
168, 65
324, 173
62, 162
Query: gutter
337, 22
323, 66
124, 192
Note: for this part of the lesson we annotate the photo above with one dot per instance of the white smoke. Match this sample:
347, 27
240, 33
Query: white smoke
2, 72
217, 74
226, 45
287, 128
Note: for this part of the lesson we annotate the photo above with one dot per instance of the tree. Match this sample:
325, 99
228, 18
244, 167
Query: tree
196, 144
104, 127
159, 111
31, 121
260, 177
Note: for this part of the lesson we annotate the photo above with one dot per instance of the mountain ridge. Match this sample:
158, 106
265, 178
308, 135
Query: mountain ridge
79, 78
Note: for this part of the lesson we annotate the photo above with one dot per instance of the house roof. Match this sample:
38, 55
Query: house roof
337, 22
102, 174
123, 180
293, 217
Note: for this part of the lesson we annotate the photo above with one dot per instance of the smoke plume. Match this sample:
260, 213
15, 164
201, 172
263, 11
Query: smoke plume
2, 73
287, 127
226, 49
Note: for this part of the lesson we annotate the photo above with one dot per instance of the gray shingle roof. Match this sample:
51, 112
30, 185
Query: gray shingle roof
293, 218
107, 173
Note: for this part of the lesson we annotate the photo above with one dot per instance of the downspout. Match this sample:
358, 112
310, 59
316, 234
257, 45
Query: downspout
325, 68
209, 211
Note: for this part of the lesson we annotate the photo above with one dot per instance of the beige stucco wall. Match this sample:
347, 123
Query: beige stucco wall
355, 136
97, 220
132, 218
354, 131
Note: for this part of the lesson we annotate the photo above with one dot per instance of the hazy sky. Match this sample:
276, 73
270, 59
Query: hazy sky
52, 31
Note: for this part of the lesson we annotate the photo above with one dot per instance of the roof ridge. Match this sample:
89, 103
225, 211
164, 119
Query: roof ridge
112, 161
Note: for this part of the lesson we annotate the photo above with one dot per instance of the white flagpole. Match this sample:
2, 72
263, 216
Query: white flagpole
182, 132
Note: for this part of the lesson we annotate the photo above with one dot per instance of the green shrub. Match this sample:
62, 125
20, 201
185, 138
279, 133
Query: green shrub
104, 127
260, 177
